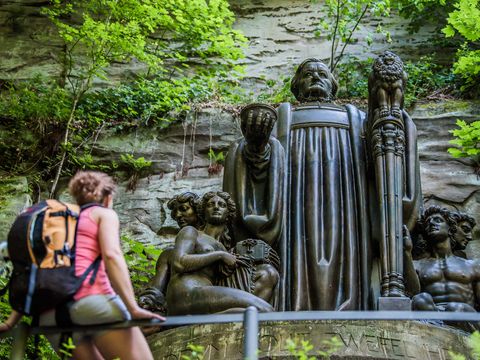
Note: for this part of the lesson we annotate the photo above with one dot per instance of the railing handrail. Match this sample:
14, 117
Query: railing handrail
250, 318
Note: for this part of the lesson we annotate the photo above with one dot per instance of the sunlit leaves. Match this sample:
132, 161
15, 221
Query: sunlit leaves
344, 18
467, 140
151, 31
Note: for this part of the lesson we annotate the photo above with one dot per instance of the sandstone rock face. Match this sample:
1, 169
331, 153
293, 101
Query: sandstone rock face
280, 33
144, 215
180, 163
447, 181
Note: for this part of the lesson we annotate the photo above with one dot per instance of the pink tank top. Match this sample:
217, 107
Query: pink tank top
88, 248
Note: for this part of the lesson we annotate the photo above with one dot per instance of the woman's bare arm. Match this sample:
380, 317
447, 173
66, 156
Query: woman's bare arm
12, 320
109, 239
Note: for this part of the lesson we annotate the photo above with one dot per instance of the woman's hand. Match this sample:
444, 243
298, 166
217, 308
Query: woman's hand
12, 320
139, 313
4, 327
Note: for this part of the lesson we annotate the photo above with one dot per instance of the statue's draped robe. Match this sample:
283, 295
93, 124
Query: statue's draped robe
326, 242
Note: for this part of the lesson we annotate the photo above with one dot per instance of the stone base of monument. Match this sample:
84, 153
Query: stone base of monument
359, 340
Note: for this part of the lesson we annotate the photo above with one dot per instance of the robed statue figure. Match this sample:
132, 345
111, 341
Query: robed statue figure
306, 187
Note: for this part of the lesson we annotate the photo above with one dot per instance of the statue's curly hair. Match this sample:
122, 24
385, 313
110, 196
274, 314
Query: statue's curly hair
294, 86
91, 187
186, 197
445, 213
386, 72
461, 217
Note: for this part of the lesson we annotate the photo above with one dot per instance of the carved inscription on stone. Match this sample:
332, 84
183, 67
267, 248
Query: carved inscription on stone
359, 340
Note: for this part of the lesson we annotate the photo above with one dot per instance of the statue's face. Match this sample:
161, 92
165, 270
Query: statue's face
216, 211
315, 81
436, 228
463, 234
185, 215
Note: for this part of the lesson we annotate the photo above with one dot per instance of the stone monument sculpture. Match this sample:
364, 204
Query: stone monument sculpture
184, 212
441, 281
255, 271
197, 259
386, 137
306, 186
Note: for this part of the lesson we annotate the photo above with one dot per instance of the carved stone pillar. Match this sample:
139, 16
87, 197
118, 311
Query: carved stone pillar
387, 141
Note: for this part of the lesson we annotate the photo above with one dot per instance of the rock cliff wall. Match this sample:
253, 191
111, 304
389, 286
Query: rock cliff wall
280, 33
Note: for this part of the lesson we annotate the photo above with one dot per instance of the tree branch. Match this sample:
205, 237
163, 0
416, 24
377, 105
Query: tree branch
349, 37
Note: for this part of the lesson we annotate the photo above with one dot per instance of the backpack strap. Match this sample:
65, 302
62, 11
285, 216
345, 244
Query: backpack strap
89, 205
93, 268
62, 312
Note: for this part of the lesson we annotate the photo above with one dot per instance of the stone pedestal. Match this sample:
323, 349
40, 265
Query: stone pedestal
359, 340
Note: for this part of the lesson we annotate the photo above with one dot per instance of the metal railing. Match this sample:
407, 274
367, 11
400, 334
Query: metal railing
250, 318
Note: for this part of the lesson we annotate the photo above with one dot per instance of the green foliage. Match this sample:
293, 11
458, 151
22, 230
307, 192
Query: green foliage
301, 349
467, 140
98, 32
85, 161
352, 75
344, 18
135, 168
196, 352
278, 92
217, 158
145, 102
464, 21
458, 21
216, 162
425, 78
32, 117
420, 12
152, 32
37, 104
474, 343
136, 165
141, 260
67, 348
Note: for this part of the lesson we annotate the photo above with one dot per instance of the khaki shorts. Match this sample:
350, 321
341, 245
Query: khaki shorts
90, 310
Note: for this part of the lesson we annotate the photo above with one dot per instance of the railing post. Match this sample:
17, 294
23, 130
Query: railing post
20, 336
250, 337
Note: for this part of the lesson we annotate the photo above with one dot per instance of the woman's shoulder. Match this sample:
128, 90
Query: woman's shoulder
102, 213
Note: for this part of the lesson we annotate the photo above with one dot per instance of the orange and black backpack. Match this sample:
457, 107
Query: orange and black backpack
41, 246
